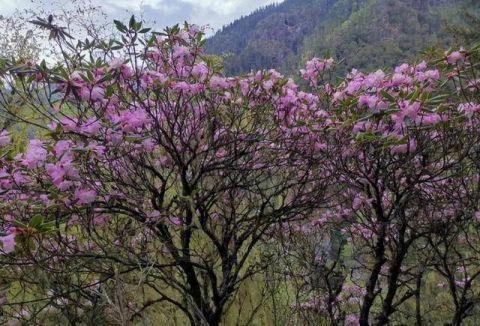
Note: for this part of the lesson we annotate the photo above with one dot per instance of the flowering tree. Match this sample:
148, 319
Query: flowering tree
153, 181
403, 148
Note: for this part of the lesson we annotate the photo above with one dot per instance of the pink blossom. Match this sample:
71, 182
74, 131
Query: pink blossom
357, 202
422, 66
85, 196
455, 57
374, 79
61, 147
4, 138
65, 185
200, 71
431, 119
469, 108
368, 100
477, 215
57, 173
149, 144
8, 243
176, 221
127, 72
100, 220
95, 93
91, 126
314, 67
68, 124
320, 146
35, 155
433, 74
179, 51
404, 68
221, 153
116, 63
134, 119
217, 83
76, 79
409, 147
352, 320
96, 148
20, 178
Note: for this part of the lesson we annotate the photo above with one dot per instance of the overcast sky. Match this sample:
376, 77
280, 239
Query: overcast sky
214, 13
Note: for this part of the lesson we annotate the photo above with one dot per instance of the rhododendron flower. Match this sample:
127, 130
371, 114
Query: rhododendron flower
134, 119
455, 57
221, 153
149, 145
374, 79
477, 215
353, 87
403, 68
4, 138
76, 79
422, 66
268, 84
314, 67
8, 243
431, 119
91, 126
20, 178
474, 85
460, 284
368, 100
319, 146
312, 304
61, 170
352, 320
200, 71
154, 214
35, 155
409, 147
217, 83
116, 63
65, 185
85, 196
100, 220
358, 202
469, 108
433, 74
175, 221
179, 51
94, 93
61, 147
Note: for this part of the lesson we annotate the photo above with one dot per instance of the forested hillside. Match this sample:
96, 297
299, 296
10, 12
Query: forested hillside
367, 34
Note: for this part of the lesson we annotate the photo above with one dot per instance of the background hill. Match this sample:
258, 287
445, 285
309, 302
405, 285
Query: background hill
367, 34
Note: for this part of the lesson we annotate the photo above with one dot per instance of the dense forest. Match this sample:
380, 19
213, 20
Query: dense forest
367, 34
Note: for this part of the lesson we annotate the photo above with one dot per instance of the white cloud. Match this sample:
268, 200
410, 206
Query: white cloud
214, 13
8, 6
229, 7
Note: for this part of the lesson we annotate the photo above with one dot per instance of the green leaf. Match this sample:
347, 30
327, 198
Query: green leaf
120, 26
388, 96
137, 26
109, 91
36, 221
131, 23
438, 99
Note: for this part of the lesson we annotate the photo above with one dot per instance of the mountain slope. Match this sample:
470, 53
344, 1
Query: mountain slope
367, 34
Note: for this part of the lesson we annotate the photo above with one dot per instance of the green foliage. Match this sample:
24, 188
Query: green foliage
367, 34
